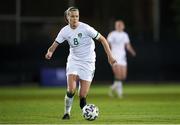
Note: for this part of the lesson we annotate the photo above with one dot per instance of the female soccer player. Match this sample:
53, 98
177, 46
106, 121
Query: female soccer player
119, 41
81, 60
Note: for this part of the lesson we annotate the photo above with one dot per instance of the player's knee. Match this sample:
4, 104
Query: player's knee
121, 77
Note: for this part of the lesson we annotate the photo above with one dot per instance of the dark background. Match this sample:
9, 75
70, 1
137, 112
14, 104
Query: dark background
28, 27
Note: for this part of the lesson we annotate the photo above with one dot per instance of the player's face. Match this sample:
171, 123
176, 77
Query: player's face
73, 18
119, 26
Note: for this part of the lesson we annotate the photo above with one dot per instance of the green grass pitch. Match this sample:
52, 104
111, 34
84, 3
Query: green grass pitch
141, 104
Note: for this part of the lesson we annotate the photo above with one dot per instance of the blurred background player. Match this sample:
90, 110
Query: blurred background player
119, 43
81, 60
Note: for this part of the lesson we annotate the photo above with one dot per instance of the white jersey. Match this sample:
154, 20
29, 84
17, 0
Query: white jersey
118, 40
80, 40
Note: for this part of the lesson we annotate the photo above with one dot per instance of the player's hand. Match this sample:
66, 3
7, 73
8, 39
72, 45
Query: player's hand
112, 61
133, 54
48, 55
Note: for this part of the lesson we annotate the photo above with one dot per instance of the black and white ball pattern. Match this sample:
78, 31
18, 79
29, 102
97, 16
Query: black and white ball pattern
90, 112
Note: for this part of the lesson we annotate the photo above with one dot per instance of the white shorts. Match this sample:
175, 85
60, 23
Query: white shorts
121, 61
84, 70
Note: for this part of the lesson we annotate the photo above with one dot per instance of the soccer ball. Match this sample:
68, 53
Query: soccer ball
90, 112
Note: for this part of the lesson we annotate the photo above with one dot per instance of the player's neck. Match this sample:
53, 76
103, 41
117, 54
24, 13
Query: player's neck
74, 26
119, 30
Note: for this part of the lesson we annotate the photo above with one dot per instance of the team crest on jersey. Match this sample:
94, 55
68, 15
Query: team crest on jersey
79, 35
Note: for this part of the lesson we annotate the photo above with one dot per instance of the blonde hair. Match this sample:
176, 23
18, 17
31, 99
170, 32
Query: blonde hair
66, 13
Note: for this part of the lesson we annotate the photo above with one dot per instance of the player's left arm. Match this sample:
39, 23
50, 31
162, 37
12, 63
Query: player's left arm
107, 49
130, 49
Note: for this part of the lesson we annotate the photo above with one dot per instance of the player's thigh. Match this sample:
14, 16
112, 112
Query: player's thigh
124, 71
84, 88
71, 82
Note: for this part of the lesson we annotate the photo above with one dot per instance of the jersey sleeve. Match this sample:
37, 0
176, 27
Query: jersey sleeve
110, 37
60, 38
92, 33
126, 38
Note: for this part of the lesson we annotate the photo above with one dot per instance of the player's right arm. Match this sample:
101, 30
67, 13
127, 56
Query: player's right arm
51, 50
59, 39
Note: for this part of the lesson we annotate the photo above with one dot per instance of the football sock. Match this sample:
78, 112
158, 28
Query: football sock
114, 86
119, 88
82, 102
68, 100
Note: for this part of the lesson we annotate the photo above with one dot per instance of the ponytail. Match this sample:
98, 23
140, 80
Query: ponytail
65, 16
